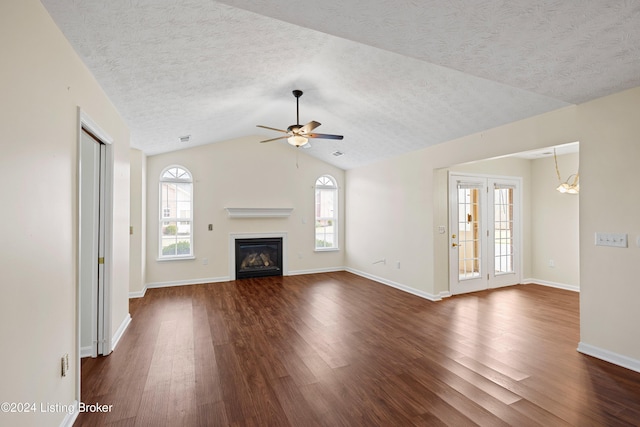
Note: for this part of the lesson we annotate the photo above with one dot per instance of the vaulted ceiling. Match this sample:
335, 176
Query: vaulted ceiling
391, 76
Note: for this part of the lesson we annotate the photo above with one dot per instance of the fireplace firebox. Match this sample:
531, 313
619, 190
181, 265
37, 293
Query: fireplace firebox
258, 257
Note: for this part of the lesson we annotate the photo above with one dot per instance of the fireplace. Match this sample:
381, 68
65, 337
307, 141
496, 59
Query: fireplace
258, 257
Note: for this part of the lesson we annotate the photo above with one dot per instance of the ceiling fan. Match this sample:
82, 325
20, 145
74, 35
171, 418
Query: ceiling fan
298, 135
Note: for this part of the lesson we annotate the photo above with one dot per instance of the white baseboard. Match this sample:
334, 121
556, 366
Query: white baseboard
70, 418
315, 271
422, 294
123, 327
140, 294
575, 288
609, 356
86, 351
400, 286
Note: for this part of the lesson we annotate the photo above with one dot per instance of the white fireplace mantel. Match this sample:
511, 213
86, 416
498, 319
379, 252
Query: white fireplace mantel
259, 212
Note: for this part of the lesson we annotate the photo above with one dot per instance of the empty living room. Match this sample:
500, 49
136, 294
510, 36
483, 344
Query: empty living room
235, 213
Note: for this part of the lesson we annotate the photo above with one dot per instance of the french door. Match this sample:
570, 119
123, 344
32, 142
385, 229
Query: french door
484, 225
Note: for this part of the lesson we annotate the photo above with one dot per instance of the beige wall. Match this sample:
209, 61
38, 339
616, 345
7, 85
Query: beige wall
390, 218
242, 173
138, 234
43, 82
400, 198
607, 129
609, 291
555, 224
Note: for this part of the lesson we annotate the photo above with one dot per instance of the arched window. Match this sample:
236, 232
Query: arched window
326, 212
176, 210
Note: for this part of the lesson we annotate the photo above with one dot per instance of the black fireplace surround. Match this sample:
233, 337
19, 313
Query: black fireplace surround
258, 257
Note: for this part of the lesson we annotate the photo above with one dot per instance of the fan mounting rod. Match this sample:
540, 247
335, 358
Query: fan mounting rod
297, 93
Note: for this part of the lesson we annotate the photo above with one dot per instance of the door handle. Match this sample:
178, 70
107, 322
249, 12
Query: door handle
453, 245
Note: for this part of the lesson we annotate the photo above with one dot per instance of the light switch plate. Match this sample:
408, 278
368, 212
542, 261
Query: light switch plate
617, 240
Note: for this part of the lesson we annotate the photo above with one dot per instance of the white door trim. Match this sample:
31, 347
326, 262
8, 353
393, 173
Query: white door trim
104, 334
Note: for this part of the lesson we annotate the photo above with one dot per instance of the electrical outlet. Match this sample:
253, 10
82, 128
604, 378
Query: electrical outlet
205, 261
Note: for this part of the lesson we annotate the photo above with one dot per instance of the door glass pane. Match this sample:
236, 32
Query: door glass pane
503, 225
469, 232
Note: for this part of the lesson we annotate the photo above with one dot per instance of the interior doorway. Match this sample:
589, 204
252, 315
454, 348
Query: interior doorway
92, 243
95, 231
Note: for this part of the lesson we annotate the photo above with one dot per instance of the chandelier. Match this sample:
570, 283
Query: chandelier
567, 187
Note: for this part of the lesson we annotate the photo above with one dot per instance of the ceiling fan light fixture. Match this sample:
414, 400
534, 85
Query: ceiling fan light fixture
299, 135
297, 140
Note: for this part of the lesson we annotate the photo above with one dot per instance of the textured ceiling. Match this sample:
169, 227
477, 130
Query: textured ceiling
392, 77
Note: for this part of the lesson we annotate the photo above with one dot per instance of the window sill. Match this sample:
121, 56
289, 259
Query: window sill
175, 258
326, 249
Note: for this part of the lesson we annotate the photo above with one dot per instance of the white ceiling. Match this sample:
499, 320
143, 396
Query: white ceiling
391, 77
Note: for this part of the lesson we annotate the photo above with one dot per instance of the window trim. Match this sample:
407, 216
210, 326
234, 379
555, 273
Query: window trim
336, 213
162, 219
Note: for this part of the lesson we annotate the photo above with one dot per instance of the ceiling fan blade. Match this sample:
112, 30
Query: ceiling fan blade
309, 127
267, 127
275, 139
323, 136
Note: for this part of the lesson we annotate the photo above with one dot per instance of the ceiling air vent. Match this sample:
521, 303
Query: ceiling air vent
184, 139
337, 153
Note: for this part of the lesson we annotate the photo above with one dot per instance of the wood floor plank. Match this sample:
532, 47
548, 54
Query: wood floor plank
336, 349
492, 368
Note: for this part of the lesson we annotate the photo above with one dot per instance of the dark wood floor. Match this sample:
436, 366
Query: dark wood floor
338, 350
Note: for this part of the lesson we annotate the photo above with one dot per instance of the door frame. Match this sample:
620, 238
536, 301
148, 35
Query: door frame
487, 226
103, 304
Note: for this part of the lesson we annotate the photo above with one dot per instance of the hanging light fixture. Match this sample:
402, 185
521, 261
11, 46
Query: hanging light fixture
297, 140
565, 187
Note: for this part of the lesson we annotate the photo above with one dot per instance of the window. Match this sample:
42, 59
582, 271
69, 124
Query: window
176, 207
326, 212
